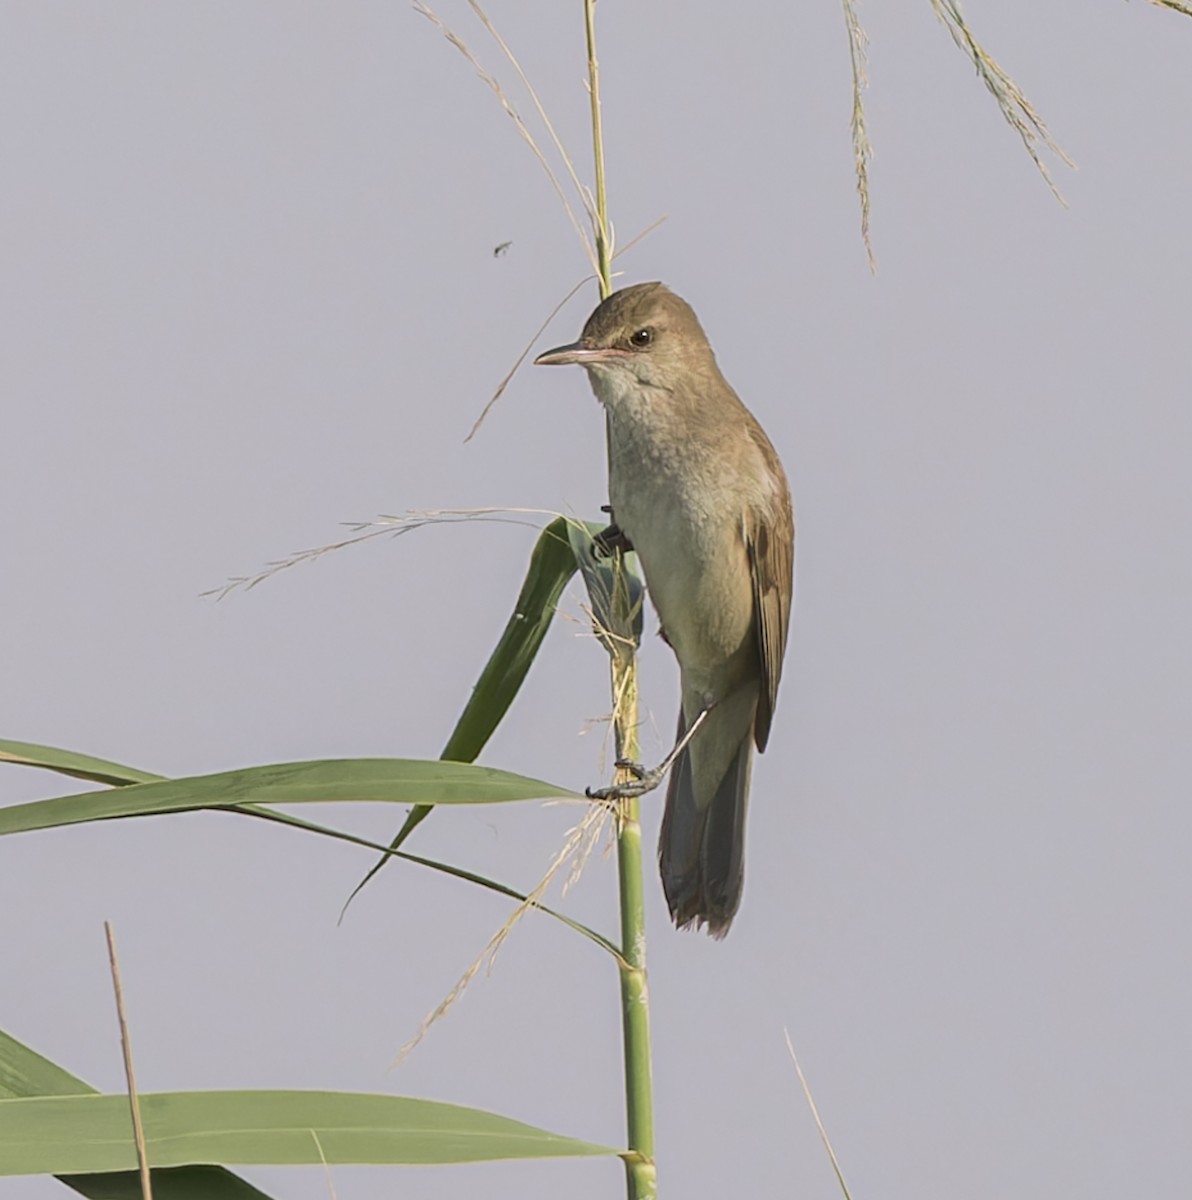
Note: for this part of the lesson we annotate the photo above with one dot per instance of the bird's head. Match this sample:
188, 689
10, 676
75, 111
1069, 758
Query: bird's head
643, 335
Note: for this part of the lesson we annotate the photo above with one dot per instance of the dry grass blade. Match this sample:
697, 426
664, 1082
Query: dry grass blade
579, 840
383, 526
622, 646
815, 1113
1015, 107
138, 1131
545, 324
314, 1133
595, 628
1174, 5
482, 17
641, 237
862, 148
521, 358
522, 128
624, 691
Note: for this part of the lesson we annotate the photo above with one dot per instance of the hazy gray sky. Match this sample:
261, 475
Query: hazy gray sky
249, 292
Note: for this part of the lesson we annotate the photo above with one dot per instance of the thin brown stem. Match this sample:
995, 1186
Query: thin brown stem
138, 1131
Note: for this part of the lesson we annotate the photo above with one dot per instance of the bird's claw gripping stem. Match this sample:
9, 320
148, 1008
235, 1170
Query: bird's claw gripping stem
643, 781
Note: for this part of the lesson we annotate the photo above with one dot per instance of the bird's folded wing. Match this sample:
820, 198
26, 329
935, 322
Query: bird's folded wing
771, 568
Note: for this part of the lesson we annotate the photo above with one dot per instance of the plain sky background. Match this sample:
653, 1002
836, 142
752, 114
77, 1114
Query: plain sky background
249, 292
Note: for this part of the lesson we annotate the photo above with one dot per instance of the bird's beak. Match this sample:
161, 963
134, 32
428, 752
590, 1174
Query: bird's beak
577, 353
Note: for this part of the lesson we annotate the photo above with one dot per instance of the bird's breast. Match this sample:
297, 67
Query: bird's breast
684, 513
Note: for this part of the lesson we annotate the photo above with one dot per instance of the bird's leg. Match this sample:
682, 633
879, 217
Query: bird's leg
610, 538
644, 780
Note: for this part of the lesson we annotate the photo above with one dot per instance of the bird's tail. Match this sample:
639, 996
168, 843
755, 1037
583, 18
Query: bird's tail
701, 851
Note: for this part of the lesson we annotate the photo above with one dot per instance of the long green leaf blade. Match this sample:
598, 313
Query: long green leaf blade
24, 1072
552, 564
67, 762
328, 781
70, 1134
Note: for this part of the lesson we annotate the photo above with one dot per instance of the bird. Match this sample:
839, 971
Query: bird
696, 488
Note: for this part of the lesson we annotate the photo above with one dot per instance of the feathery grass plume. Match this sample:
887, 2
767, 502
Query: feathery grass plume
382, 526
591, 837
584, 195
1174, 5
603, 227
522, 127
578, 841
1015, 107
862, 148
598, 247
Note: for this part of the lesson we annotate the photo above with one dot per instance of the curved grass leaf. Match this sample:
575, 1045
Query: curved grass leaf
552, 564
66, 762
387, 780
169, 1183
78, 766
24, 1072
56, 1135
492, 885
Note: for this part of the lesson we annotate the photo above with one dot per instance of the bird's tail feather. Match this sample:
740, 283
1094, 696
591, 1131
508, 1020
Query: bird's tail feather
701, 851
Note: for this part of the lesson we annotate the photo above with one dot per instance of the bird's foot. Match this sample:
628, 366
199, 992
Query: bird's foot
608, 541
643, 781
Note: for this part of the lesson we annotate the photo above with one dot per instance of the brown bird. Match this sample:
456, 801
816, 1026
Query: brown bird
698, 491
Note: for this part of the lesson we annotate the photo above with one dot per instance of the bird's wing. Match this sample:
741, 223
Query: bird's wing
771, 569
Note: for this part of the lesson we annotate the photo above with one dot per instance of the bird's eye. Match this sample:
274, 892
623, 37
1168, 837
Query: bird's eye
642, 337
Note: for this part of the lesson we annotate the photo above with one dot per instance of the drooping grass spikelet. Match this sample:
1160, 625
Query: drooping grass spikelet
1014, 106
522, 127
862, 148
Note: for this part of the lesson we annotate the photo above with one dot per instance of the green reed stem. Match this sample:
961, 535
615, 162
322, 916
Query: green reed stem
640, 1174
